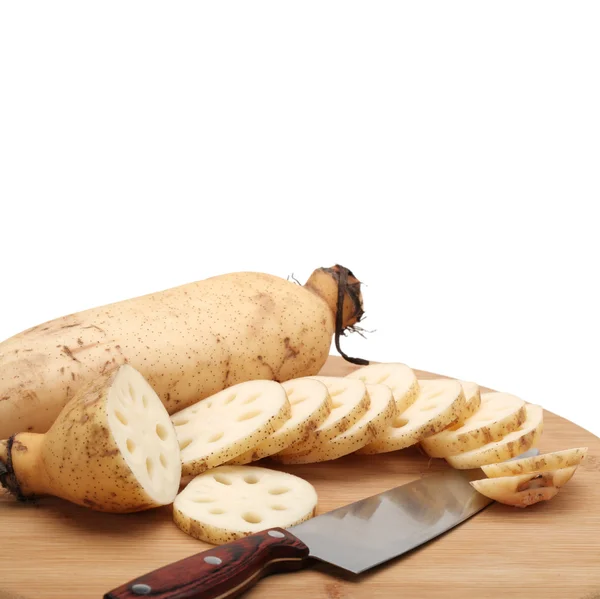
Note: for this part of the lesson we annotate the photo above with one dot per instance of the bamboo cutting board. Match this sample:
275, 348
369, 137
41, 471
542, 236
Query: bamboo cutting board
55, 550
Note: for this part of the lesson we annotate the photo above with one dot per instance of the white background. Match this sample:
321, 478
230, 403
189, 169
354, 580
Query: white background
448, 153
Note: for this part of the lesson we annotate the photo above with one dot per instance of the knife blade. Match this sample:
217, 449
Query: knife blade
355, 537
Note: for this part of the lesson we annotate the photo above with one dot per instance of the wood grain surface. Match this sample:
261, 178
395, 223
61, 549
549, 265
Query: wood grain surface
53, 549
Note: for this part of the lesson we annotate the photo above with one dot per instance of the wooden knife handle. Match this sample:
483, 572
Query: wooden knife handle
225, 571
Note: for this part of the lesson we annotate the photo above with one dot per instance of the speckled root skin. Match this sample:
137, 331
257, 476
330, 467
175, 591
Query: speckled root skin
77, 459
188, 342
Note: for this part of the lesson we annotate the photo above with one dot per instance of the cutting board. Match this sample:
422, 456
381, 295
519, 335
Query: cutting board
55, 550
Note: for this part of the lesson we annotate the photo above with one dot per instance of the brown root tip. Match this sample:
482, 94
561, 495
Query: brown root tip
343, 297
8, 478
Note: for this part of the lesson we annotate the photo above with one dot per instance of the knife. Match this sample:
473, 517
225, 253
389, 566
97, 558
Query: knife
356, 537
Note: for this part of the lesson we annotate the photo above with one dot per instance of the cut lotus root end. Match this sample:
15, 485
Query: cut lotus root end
144, 434
122, 448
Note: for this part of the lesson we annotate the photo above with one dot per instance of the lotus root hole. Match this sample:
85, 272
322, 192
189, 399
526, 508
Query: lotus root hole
248, 415
215, 437
252, 518
184, 444
222, 479
278, 491
162, 432
121, 417
298, 400
230, 399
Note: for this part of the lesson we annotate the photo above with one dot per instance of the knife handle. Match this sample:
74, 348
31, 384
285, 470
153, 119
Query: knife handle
225, 571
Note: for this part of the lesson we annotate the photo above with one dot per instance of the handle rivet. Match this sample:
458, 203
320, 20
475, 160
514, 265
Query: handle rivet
213, 560
276, 534
141, 589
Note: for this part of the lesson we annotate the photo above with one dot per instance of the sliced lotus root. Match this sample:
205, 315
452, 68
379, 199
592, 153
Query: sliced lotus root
398, 377
229, 423
522, 490
349, 401
510, 446
310, 405
371, 424
498, 415
540, 463
231, 502
440, 402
